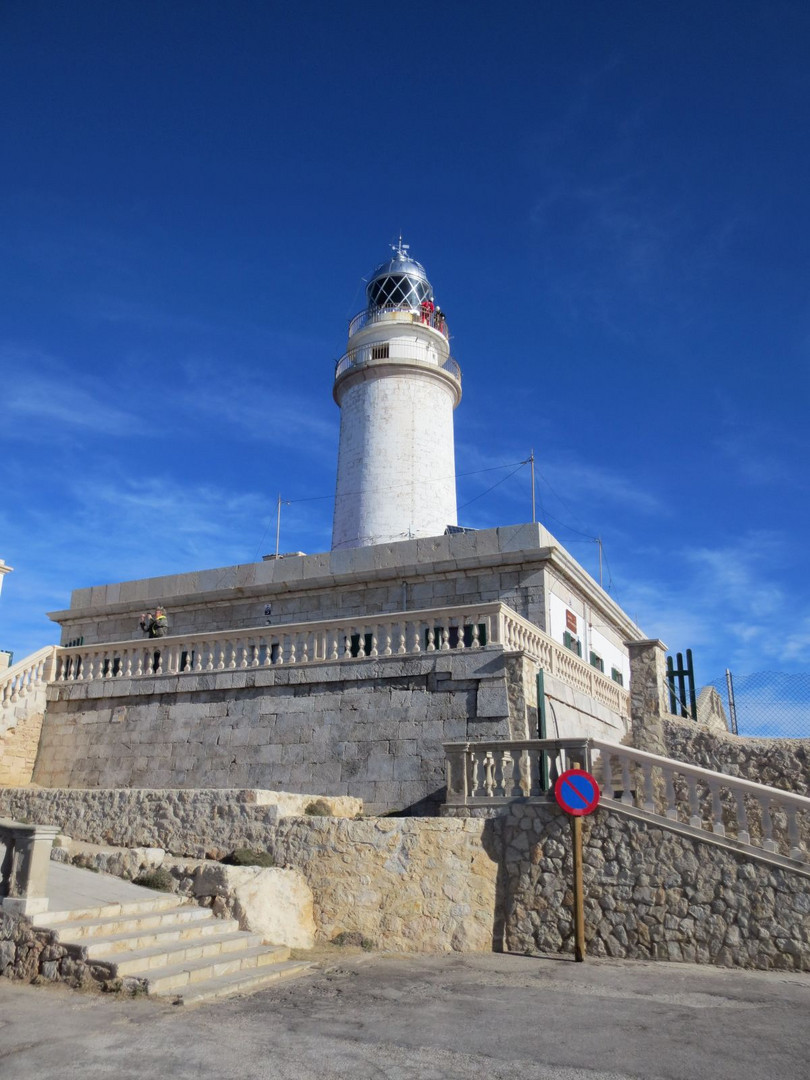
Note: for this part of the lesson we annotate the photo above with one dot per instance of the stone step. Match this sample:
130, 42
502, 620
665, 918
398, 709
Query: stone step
163, 936
238, 982
123, 923
136, 961
177, 976
103, 911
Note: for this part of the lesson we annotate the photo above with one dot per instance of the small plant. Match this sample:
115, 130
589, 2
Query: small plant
159, 879
248, 857
318, 808
353, 937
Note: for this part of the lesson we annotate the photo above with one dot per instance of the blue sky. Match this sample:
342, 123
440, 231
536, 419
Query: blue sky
610, 200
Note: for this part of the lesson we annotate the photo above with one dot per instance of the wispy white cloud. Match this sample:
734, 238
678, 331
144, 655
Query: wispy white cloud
39, 387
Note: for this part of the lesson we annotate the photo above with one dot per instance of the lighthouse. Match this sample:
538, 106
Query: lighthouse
397, 387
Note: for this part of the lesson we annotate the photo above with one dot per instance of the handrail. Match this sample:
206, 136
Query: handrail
748, 786
761, 818
330, 640
21, 678
334, 640
398, 314
394, 350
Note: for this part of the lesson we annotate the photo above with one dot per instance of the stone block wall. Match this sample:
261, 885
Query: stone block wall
504, 880
20, 728
373, 729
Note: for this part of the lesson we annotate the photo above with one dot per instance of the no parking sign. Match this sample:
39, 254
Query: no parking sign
577, 792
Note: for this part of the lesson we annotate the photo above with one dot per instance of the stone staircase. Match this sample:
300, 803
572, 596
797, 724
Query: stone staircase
171, 948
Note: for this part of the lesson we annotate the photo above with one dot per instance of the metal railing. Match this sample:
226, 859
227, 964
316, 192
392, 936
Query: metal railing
398, 314
382, 352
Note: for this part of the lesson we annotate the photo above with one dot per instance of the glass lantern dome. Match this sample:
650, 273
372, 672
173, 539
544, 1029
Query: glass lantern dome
399, 283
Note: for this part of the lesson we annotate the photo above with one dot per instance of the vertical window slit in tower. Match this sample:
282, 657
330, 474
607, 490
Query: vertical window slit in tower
379, 352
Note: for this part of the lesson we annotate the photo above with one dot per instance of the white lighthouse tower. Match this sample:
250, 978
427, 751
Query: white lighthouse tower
397, 387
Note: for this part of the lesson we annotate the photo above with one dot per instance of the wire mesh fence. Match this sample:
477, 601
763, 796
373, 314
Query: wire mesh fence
768, 704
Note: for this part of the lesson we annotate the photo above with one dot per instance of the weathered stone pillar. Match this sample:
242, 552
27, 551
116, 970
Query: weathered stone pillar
27, 883
648, 694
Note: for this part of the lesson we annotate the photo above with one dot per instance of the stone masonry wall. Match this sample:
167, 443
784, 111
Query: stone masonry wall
199, 823
427, 884
650, 893
779, 763
371, 728
407, 884
18, 747
20, 727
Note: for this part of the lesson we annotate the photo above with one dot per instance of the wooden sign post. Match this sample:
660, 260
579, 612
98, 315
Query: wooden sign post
577, 792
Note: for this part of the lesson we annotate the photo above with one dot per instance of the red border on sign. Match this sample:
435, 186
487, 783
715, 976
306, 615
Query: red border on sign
559, 793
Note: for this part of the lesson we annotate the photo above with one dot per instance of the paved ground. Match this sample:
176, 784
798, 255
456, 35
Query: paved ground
431, 1018
70, 887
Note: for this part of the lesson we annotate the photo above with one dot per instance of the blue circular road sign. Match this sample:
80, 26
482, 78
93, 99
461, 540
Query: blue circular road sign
577, 792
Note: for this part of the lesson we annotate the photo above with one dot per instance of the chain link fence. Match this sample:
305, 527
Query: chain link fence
768, 704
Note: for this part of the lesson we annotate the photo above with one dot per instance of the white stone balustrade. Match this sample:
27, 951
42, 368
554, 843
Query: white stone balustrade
759, 817
19, 680
499, 772
402, 633
336, 641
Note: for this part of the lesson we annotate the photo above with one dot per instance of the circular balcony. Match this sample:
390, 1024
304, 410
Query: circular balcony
401, 314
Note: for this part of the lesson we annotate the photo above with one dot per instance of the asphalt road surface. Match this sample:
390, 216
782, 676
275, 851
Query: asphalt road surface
488, 1017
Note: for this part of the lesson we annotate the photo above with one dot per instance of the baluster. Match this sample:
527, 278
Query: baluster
767, 824
128, 669
474, 774
198, 656
417, 633
431, 639
514, 787
90, 666
717, 809
627, 797
242, 647
607, 773
460, 625
139, 666
333, 655
232, 660
159, 664
219, 648
695, 820
305, 649
361, 642
403, 648
347, 646
793, 833
743, 833
649, 795
373, 644
526, 770
476, 635
389, 634
672, 806
489, 774
445, 637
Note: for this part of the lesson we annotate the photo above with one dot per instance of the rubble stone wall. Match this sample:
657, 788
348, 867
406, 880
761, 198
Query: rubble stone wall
779, 763
650, 893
